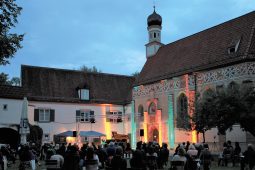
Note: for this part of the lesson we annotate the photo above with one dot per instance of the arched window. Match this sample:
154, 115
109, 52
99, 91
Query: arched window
182, 112
155, 35
152, 108
233, 86
140, 111
208, 93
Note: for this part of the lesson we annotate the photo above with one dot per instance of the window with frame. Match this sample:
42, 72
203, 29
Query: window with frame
182, 112
114, 116
44, 115
85, 116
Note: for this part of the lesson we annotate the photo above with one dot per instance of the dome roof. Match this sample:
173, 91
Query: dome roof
154, 19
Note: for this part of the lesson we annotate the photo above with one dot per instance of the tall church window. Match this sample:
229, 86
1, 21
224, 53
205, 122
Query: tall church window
182, 112
140, 111
233, 87
220, 89
152, 108
208, 93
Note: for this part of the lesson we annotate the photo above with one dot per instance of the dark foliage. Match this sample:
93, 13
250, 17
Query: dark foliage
9, 42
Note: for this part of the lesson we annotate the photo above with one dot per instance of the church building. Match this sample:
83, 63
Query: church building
174, 73
155, 106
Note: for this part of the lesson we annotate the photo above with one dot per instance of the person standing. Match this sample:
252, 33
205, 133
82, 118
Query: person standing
91, 159
249, 156
236, 153
206, 157
118, 163
71, 159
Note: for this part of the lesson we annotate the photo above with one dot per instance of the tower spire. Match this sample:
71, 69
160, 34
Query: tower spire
154, 22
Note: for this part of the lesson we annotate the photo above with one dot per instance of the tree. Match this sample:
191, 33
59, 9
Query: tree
234, 105
136, 74
9, 42
204, 116
247, 103
35, 134
4, 79
89, 70
15, 81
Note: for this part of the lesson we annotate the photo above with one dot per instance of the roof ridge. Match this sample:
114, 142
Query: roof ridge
80, 71
250, 13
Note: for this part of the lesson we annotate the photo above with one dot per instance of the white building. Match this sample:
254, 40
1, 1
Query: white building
67, 100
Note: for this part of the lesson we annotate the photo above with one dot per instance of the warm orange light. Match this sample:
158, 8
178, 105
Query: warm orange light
191, 99
194, 136
159, 121
107, 125
70, 139
108, 130
145, 126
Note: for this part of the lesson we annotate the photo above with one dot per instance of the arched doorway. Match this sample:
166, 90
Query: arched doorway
153, 135
9, 136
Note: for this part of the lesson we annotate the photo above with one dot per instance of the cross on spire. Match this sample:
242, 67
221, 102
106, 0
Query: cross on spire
154, 6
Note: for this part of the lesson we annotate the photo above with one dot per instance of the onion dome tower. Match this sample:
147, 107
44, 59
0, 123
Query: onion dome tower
154, 22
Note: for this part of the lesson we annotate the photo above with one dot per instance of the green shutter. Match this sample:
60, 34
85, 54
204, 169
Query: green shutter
36, 115
52, 115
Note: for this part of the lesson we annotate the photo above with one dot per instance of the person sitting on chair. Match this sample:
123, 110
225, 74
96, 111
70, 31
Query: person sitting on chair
180, 156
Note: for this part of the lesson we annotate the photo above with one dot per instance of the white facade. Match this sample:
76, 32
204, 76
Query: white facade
10, 116
65, 117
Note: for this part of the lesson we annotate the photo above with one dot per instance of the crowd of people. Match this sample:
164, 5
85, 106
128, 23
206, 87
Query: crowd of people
234, 155
119, 155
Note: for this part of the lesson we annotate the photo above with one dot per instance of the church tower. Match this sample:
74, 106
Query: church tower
154, 22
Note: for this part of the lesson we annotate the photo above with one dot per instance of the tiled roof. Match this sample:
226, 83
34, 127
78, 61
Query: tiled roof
204, 50
60, 85
13, 92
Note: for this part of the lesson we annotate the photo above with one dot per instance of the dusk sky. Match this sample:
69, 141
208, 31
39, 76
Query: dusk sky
108, 34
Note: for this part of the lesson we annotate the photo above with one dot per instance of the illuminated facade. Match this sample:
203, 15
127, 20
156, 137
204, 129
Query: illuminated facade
165, 90
69, 100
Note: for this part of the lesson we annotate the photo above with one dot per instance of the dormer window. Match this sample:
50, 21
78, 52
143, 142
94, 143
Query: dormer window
83, 94
234, 46
231, 50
